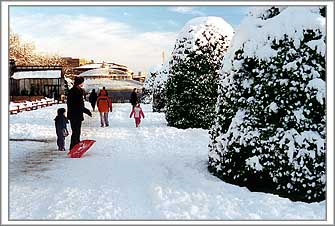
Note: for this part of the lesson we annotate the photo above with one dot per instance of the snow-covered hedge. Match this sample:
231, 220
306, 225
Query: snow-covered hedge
154, 87
158, 94
191, 88
270, 130
148, 85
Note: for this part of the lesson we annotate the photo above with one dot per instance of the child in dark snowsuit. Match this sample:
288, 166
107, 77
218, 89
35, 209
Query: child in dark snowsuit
137, 112
61, 130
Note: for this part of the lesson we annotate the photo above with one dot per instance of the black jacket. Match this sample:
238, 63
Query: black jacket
60, 123
75, 104
93, 97
133, 98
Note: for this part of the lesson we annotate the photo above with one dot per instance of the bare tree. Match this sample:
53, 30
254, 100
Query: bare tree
24, 53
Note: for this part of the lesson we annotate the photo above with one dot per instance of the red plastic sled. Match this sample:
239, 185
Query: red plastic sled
79, 149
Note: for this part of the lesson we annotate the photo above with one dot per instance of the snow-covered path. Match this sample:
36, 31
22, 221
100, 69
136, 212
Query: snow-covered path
154, 172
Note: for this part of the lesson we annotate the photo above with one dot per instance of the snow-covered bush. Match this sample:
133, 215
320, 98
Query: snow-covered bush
148, 85
154, 87
270, 130
158, 94
191, 89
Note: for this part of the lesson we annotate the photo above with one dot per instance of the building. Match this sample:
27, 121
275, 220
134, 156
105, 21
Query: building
116, 78
75, 62
140, 76
71, 63
112, 70
45, 81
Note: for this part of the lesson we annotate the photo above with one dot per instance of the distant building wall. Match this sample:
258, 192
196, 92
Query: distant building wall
50, 87
121, 96
85, 61
140, 76
71, 62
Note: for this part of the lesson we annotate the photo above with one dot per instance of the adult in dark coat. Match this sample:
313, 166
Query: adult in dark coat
75, 109
93, 98
133, 98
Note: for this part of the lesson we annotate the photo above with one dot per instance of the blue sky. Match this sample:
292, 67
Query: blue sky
79, 31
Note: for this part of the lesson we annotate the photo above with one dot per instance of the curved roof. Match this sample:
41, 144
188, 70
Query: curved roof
90, 66
102, 72
105, 65
111, 84
95, 72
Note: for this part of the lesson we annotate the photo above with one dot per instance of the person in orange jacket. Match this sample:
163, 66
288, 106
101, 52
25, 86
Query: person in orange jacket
104, 104
137, 112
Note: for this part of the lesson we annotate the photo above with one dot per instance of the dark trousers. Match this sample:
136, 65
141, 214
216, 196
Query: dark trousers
93, 105
60, 141
76, 129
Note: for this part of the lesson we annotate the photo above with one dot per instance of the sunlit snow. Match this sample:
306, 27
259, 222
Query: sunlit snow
154, 172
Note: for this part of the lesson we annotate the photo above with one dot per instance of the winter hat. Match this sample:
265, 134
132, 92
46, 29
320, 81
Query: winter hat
60, 111
78, 80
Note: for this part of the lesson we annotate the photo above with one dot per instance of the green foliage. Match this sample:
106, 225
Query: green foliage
159, 99
191, 89
271, 12
148, 88
323, 11
158, 94
270, 130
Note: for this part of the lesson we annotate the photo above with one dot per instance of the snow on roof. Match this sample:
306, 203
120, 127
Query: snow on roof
111, 84
99, 65
102, 72
256, 35
118, 65
95, 72
37, 74
90, 66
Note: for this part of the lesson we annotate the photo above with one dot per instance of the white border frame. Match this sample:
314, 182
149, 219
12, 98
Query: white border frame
5, 118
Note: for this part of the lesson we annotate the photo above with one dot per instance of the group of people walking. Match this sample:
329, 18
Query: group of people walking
76, 109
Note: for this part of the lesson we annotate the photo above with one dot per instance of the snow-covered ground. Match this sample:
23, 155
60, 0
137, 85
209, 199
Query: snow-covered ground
154, 172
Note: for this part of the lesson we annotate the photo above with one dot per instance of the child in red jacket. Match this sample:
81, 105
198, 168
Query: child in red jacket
137, 112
